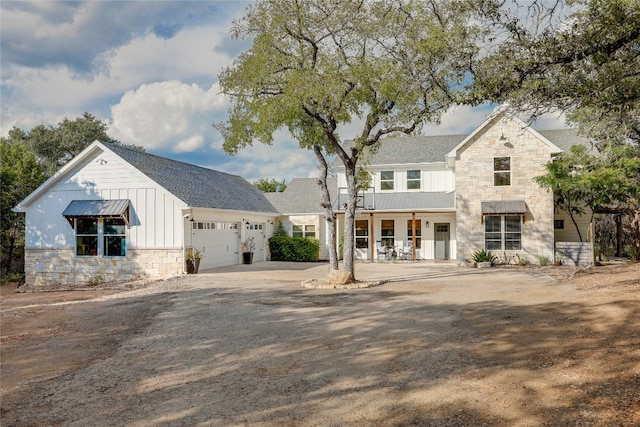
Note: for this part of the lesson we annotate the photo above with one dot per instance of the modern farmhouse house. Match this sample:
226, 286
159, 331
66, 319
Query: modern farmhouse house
118, 214
113, 213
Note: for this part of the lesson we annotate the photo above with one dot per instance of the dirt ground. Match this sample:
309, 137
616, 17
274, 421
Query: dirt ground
538, 347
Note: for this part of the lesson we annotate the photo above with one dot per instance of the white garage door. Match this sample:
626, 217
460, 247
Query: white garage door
218, 242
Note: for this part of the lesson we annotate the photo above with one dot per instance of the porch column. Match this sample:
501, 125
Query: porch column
413, 236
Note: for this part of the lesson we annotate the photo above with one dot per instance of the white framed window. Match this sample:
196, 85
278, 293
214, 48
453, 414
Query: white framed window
503, 232
413, 180
362, 234
386, 180
501, 171
101, 237
303, 231
387, 230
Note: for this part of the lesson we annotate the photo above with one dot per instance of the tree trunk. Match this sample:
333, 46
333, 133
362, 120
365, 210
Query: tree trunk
349, 218
329, 216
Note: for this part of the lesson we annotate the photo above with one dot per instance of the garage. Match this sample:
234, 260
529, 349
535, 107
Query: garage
218, 242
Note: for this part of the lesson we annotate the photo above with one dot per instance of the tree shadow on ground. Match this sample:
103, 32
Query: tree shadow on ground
224, 356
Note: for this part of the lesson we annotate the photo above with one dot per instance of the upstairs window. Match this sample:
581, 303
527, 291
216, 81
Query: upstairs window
501, 171
386, 180
413, 180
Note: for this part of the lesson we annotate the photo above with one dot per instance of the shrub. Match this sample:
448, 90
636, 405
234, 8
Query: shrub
286, 248
543, 260
483, 255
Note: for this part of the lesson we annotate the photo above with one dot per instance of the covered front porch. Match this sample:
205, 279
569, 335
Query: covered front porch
396, 236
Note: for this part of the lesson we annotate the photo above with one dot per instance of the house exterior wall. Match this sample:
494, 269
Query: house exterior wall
569, 233
474, 184
322, 233
154, 240
434, 177
52, 267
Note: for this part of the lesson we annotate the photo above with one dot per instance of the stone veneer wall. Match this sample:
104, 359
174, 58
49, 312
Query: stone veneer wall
474, 184
60, 267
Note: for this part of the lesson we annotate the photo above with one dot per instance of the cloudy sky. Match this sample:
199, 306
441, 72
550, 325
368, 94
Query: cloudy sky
150, 70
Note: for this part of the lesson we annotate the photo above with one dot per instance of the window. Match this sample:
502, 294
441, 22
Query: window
386, 180
558, 224
106, 237
413, 180
115, 243
362, 234
86, 236
418, 233
388, 233
303, 231
503, 232
501, 171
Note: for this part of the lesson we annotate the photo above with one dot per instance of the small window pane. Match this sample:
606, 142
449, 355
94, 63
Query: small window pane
502, 164
86, 226
87, 245
492, 224
512, 224
296, 231
114, 226
114, 246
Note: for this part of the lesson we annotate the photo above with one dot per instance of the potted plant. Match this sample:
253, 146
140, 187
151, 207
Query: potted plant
248, 246
484, 258
193, 261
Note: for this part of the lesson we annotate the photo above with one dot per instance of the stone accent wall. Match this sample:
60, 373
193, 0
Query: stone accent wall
474, 184
60, 267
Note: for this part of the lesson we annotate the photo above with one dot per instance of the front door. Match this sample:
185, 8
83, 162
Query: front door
441, 241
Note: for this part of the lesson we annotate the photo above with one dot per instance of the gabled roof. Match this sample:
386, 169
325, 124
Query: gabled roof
411, 149
196, 185
499, 112
302, 196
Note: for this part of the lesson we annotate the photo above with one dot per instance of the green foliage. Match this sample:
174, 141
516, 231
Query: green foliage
270, 185
582, 59
315, 65
483, 255
286, 248
20, 174
543, 260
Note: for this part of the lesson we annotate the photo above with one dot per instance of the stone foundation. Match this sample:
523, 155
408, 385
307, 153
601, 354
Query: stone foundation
60, 267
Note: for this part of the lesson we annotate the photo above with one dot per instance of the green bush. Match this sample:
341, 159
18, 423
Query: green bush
286, 248
543, 260
483, 255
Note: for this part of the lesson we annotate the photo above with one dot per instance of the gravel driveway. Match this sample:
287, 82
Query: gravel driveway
246, 345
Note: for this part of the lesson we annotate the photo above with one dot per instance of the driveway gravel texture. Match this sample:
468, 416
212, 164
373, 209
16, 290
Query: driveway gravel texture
436, 345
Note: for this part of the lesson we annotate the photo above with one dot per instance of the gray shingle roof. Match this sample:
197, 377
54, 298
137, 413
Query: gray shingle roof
433, 149
412, 149
566, 138
302, 196
195, 185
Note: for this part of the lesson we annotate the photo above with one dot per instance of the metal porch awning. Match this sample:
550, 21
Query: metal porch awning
117, 208
504, 207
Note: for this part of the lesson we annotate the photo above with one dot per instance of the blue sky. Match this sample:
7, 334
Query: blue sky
150, 70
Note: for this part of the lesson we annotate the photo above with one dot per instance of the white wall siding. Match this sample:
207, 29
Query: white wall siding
155, 214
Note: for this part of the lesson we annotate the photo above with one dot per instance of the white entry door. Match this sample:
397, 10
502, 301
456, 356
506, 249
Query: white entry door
441, 241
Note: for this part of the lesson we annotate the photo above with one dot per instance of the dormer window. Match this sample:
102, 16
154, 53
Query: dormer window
501, 171
386, 180
413, 180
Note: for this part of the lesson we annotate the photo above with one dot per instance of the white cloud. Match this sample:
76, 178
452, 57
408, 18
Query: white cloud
157, 115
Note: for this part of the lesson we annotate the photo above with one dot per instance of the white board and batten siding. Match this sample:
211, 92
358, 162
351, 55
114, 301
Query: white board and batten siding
155, 214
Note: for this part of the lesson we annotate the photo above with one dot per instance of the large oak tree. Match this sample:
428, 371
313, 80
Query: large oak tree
318, 64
